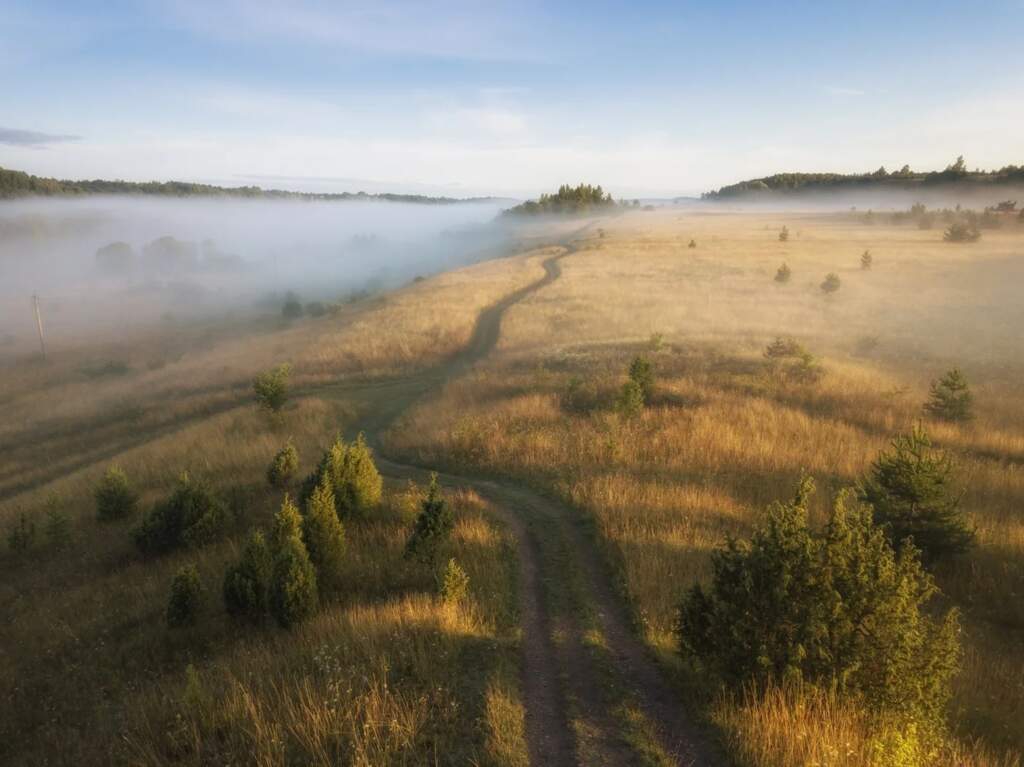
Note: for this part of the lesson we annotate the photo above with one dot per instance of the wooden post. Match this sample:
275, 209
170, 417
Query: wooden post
39, 324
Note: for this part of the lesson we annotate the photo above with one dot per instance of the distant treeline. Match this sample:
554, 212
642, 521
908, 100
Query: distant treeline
880, 180
14, 183
567, 200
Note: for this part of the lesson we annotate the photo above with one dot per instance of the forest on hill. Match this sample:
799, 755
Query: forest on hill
956, 174
15, 183
583, 198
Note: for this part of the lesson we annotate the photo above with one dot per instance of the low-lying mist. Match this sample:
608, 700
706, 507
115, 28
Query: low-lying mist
108, 263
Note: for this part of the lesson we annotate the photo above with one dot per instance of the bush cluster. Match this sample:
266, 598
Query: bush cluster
840, 609
351, 476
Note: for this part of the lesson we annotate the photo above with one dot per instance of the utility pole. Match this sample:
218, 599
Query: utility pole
39, 324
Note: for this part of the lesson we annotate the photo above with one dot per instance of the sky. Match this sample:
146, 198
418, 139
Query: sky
470, 97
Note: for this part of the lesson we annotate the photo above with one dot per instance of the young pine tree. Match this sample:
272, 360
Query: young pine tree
361, 485
271, 388
831, 283
282, 469
783, 273
247, 582
866, 260
293, 590
784, 234
186, 598
433, 525
911, 489
631, 400
114, 496
642, 372
192, 516
453, 584
840, 610
950, 398
324, 537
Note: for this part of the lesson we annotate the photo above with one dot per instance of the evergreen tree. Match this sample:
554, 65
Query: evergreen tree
284, 466
433, 525
950, 398
114, 496
186, 598
841, 610
247, 583
353, 476
453, 584
293, 590
911, 490
631, 399
831, 283
783, 273
21, 536
866, 260
271, 388
324, 536
784, 234
192, 516
642, 372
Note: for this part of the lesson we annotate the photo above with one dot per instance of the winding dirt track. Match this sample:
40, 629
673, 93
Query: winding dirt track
556, 675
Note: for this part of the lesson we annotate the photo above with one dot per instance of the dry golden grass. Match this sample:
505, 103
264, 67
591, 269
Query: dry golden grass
723, 438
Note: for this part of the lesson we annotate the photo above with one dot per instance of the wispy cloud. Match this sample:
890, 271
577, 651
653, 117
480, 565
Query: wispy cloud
461, 29
31, 138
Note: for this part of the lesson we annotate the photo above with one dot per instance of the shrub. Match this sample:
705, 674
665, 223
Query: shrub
783, 348
831, 283
284, 466
866, 260
783, 273
353, 475
186, 598
114, 496
802, 367
324, 536
631, 399
784, 234
642, 372
247, 582
22, 534
453, 584
911, 488
191, 516
293, 591
271, 388
657, 342
693, 244
580, 396
961, 231
950, 398
292, 307
840, 610
433, 525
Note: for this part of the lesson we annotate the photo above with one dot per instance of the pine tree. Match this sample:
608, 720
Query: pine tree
284, 466
293, 590
911, 490
950, 398
866, 260
361, 484
114, 496
840, 610
433, 525
642, 372
186, 598
631, 399
831, 283
453, 584
192, 516
783, 273
247, 583
784, 234
271, 387
324, 536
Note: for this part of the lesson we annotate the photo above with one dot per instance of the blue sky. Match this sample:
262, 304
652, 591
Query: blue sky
462, 97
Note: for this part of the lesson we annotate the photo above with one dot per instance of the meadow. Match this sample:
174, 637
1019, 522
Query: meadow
722, 437
579, 528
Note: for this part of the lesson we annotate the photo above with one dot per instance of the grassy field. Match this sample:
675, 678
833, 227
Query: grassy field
722, 438
386, 673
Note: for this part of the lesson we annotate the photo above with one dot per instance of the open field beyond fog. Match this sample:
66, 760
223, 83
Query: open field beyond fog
579, 529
